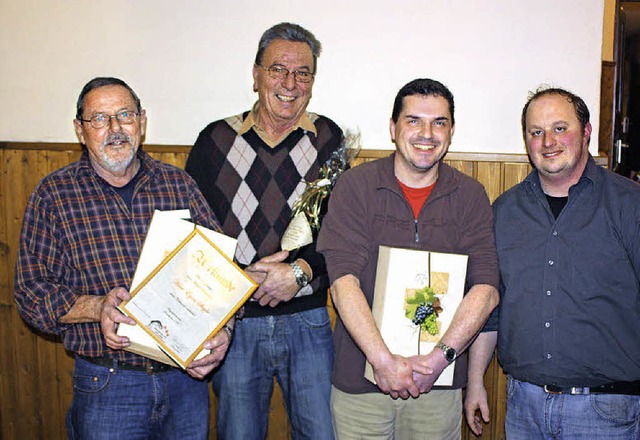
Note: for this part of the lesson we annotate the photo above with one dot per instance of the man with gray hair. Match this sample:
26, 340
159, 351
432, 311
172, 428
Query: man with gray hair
81, 237
251, 168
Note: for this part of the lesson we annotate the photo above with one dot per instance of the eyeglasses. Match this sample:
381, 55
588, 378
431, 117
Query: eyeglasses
100, 120
279, 72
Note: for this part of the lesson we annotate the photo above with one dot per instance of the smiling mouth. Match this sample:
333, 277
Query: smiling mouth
423, 147
551, 154
117, 139
118, 145
284, 98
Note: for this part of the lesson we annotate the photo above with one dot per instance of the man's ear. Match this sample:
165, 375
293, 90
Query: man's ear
255, 78
77, 125
392, 130
143, 122
586, 136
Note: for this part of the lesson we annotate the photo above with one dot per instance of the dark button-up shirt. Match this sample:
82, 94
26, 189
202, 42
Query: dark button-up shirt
80, 238
570, 306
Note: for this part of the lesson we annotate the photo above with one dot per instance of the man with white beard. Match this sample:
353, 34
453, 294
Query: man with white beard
81, 237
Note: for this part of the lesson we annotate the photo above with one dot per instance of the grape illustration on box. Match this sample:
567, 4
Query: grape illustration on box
422, 306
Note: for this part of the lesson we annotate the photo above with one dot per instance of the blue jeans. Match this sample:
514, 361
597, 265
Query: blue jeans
111, 403
534, 414
297, 350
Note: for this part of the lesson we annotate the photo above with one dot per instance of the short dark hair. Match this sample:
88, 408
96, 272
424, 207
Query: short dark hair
426, 87
289, 32
582, 112
103, 81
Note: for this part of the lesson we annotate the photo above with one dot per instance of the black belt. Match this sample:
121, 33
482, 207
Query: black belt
150, 367
628, 388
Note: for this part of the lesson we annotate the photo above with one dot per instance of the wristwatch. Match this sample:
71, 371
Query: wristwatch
450, 353
302, 279
229, 330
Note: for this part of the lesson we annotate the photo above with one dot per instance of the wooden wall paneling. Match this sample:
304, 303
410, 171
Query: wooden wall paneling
176, 159
7, 312
513, 174
489, 174
25, 355
8, 394
6, 388
5, 271
466, 167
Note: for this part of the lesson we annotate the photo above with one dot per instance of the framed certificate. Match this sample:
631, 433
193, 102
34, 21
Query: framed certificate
188, 297
415, 297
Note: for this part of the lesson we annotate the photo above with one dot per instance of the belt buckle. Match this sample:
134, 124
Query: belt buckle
547, 389
579, 391
574, 391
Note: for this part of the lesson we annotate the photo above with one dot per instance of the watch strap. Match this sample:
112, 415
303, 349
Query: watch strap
302, 279
229, 331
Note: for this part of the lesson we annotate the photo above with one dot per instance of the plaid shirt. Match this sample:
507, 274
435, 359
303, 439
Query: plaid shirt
80, 238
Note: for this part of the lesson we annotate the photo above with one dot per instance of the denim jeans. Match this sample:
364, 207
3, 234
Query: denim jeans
297, 350
111, 403
535, 414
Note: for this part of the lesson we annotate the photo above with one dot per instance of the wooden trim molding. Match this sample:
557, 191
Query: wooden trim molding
364, 154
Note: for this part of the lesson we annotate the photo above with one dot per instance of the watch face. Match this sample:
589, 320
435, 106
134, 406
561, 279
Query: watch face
450, 355
302, 280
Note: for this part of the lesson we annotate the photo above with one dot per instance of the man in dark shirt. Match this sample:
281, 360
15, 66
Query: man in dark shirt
252, 167
568, 240
81, 238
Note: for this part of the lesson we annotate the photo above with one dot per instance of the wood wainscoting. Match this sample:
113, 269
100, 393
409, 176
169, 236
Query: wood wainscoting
35, 370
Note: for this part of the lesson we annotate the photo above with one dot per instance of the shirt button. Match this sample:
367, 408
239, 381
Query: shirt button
547, 325
548, 292
555, 232
550, 262
548, 355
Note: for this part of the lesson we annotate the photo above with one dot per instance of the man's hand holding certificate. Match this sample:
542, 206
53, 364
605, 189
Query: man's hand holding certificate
185, 289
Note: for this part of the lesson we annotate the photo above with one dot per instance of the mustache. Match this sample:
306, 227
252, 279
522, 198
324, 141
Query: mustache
117, 137
424, 140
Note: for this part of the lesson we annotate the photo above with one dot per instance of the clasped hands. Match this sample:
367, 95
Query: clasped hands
275, 277
403, 377
111, 317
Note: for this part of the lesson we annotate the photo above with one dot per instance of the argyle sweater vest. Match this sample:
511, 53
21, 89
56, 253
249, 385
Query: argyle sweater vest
251, 188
